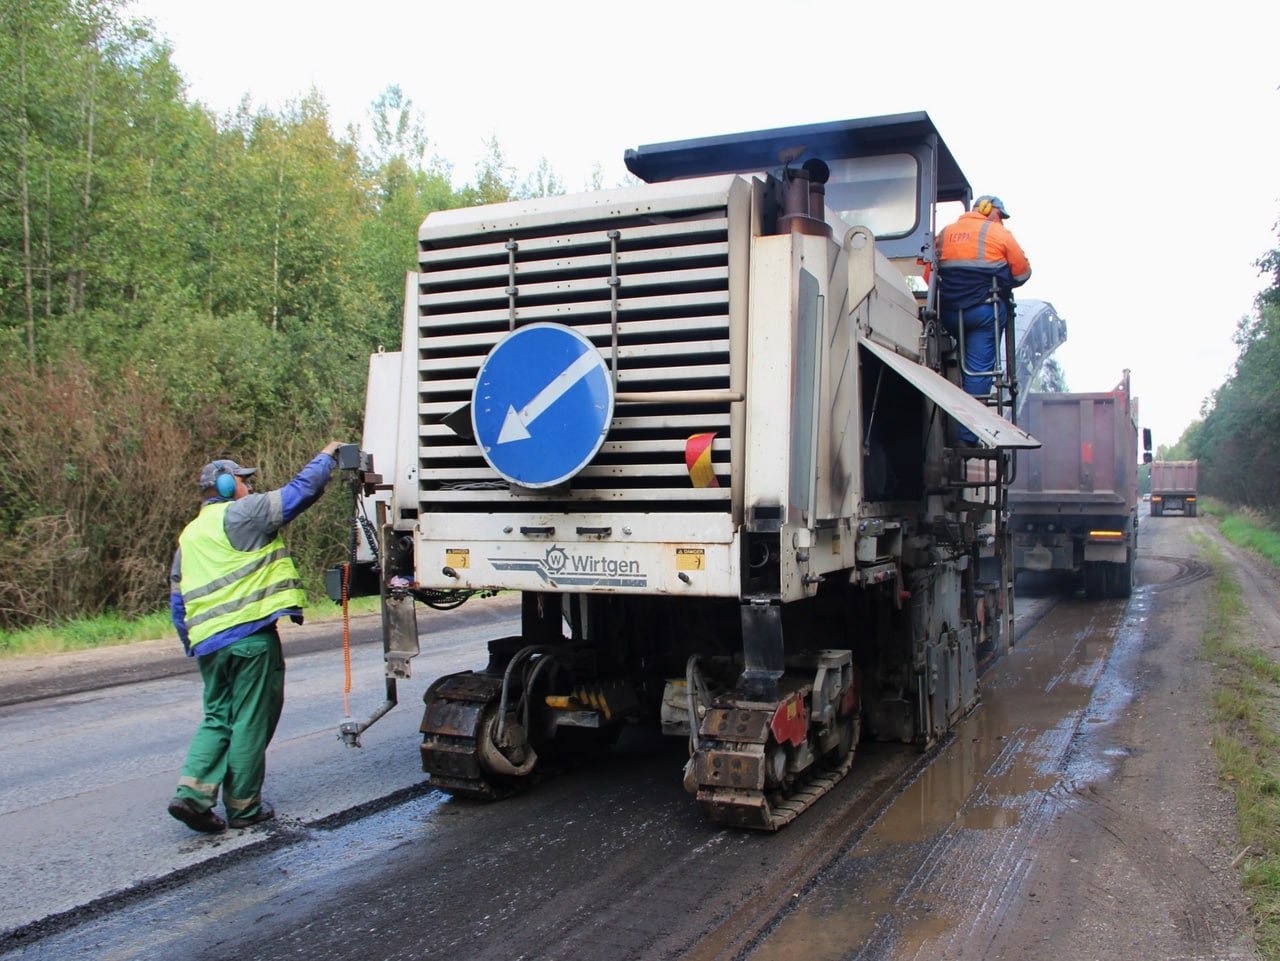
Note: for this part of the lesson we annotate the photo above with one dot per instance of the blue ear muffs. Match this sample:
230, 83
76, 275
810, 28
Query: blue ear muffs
225, 484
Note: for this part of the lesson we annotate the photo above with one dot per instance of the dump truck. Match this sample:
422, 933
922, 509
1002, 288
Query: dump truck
1074, 502
700, 424
1173, 487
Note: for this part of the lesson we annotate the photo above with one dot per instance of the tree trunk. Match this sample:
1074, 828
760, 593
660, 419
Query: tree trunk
24, 193
46, 241
275, 251
86, 197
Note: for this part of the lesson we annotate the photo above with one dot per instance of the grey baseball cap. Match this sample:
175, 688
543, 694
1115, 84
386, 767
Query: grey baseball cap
209, 473
995, 202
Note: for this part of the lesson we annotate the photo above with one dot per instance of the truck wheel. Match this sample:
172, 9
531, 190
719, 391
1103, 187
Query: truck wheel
1122, 577
1191, 510
1095, 579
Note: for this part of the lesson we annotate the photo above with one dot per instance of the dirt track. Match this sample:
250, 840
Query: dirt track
1137, 865
1125, 852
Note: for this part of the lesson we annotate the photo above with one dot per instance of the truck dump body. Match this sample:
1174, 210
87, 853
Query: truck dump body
1090, 465
1174, 486
1073, 502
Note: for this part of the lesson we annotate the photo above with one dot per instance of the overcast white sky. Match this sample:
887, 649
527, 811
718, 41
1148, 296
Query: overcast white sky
1134, 142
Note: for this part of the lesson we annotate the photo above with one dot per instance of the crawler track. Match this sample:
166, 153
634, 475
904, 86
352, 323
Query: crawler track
732, 766
457, 708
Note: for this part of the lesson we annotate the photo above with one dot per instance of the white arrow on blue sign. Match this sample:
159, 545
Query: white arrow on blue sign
542, 405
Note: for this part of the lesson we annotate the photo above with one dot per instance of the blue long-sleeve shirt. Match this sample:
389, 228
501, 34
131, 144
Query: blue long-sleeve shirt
251, 523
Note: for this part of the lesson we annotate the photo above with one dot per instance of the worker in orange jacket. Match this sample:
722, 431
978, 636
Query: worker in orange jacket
979, 264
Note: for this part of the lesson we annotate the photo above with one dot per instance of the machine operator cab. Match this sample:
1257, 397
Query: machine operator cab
888, 173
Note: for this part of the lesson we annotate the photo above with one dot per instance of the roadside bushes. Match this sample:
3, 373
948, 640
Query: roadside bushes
100, 476
96, 469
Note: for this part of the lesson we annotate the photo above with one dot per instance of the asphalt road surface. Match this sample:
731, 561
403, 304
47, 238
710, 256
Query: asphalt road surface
1075, 814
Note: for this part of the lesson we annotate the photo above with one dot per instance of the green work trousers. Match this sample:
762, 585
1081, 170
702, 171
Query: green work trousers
243, 697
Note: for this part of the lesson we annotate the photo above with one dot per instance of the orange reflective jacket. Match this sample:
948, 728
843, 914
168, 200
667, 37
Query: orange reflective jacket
970, 252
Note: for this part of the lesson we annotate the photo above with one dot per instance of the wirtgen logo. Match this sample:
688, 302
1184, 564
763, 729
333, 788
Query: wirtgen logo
561, 568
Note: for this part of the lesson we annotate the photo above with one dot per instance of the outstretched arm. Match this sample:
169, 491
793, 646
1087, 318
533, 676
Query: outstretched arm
252, 521
301, 492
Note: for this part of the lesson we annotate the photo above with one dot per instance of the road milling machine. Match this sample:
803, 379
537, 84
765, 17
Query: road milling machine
701, 424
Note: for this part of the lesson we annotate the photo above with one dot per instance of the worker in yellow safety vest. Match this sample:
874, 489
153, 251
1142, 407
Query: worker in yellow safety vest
232, 579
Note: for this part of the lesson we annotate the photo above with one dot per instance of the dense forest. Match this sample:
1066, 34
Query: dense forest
1237, 441
176, 286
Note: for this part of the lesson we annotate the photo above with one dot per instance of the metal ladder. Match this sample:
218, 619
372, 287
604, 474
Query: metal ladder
999, 467
1004, 395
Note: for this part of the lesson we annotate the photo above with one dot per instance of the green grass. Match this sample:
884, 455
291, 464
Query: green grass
1254, 534
1246, 528
106, 630
1246, 714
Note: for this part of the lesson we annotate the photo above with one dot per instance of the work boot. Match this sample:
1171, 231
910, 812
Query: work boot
265, 813
206, 821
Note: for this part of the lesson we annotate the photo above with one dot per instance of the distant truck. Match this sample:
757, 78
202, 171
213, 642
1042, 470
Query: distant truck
1074, 502
1173, 486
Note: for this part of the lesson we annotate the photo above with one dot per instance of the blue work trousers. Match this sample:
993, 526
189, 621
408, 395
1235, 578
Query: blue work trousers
980, 343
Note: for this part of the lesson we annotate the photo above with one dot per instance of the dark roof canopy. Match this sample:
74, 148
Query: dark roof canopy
771, 149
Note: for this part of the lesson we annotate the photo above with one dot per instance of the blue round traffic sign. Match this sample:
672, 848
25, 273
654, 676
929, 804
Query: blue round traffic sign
542, 405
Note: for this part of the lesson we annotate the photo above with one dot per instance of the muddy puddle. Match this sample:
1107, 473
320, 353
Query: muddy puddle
952, 849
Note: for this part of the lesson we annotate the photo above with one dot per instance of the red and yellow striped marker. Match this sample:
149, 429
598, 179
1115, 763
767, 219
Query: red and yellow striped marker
697, 457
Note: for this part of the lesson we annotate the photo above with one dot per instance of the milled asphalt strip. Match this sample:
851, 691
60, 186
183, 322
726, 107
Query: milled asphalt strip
271, 837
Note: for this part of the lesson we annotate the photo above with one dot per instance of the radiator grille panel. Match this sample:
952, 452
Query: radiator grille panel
673, 334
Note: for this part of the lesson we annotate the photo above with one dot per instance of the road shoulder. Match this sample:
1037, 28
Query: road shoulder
33, 677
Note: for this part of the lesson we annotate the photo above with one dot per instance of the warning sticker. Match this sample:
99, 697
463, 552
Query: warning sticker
457, 556
691, 559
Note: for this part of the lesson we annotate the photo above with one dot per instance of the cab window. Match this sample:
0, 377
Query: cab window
879, 193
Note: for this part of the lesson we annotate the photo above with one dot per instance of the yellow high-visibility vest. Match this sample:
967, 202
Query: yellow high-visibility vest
222, 587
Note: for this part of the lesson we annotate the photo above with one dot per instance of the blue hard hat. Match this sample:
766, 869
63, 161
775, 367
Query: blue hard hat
990, 202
